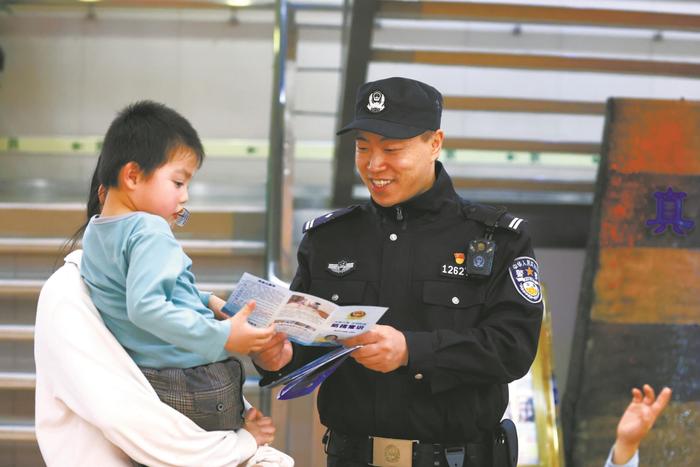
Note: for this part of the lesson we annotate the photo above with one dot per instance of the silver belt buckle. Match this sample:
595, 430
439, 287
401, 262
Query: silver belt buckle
387, 452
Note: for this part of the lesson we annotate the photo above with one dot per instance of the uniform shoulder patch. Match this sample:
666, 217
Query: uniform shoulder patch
326, 218
525, 274
497, 216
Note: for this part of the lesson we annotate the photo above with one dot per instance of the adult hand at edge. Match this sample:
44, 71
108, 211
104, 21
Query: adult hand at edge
635, 423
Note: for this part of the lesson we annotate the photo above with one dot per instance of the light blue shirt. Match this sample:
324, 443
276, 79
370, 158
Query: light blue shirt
141, 281
633, 462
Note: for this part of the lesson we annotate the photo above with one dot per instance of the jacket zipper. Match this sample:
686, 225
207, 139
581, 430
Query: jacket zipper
400, 217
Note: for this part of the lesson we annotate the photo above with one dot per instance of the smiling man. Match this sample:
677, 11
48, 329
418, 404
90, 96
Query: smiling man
429, 386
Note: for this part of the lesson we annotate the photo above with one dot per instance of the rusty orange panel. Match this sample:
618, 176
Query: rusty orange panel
629, 202
660, 136
647, 286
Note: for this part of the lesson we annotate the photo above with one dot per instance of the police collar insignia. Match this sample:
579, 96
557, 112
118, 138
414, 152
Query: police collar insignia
525, 274
376, 102
341, 268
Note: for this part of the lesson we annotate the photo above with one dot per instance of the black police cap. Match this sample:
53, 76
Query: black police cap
396, 108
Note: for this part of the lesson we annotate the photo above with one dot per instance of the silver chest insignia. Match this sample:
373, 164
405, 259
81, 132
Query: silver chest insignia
341, 268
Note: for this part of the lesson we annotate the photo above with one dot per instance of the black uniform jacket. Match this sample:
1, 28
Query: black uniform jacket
467, 336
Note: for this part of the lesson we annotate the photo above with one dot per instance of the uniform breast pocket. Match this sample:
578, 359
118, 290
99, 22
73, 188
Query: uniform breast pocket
452, 304
341, 292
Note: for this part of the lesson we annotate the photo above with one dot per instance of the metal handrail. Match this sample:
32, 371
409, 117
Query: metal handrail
276, 160
279, 164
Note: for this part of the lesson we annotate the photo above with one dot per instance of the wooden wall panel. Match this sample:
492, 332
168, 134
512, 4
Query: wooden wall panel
639, 309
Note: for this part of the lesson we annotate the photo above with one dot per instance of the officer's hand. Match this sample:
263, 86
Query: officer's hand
384, 349
275, 354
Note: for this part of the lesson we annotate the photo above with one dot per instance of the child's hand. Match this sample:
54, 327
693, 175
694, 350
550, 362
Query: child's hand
259, 426
244, 337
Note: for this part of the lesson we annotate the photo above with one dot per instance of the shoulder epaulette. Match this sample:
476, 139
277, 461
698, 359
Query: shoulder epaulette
493, 216
326, 218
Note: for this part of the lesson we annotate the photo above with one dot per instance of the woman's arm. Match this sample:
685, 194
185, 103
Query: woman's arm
88, 387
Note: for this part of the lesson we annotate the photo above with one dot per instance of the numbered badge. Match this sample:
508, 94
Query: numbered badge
455, 268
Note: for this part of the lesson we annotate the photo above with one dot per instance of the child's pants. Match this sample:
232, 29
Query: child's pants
210, 395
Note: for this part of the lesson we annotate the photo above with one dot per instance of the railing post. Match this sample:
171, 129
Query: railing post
278, 206
357, 42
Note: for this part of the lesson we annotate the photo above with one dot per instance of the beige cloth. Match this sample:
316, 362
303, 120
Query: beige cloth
95, 407
267, 456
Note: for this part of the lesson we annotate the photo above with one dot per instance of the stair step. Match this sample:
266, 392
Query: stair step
222, 289
17, 380
18, 431
60, 220
27, 380
18, 287
200, 247
39, 206
16, 332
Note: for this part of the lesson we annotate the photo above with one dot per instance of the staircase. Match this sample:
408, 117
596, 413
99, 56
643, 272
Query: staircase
223, 242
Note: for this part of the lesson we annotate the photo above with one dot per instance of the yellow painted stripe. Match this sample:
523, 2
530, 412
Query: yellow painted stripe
647, 286
305, 150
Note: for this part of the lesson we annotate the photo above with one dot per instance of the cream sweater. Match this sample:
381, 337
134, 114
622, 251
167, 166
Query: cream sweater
94, 406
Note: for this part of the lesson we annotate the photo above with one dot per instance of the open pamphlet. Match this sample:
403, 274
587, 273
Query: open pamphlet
304, 380
305, 318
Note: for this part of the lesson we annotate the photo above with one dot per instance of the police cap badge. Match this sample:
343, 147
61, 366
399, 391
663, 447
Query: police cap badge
398, 108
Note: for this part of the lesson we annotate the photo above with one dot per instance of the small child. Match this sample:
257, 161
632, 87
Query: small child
140, 279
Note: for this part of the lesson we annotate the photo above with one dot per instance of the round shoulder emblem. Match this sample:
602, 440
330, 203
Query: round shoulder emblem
376, 102
525, 274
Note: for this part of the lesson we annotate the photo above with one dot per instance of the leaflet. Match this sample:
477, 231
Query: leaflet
305, 318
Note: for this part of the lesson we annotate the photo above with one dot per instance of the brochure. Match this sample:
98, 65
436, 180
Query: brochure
304, 380
305, 318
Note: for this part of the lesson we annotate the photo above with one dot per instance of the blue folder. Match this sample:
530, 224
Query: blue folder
304, 380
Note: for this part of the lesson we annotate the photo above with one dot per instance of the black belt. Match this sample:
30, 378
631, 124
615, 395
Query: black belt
360, 449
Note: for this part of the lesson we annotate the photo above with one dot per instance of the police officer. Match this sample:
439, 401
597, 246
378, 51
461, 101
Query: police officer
429, 385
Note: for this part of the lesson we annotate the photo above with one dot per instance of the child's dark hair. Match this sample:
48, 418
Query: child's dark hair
145, 132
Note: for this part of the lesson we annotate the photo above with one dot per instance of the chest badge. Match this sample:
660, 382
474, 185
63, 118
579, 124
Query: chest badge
341, 268
525, 274
455, 269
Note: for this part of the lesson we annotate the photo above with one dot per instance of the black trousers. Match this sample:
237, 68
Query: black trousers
334, 461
